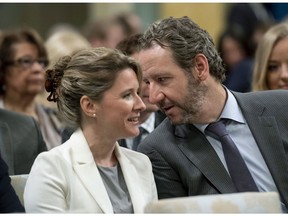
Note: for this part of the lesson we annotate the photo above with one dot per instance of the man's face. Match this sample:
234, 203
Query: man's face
171, 88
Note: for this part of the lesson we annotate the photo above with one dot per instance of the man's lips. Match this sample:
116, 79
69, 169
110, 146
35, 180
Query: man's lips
167, 108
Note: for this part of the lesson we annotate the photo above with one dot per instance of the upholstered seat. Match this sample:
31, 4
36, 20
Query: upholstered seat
248, 202
18, 182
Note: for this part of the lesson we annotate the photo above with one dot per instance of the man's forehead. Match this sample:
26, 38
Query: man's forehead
153, 54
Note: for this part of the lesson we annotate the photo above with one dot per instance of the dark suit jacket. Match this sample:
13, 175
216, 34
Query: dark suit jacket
240, 77
159, 117
9, 201
185, 164
20, 141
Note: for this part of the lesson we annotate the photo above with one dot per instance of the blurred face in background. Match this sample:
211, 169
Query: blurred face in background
277, 68
232, 52
114, 35
25, 75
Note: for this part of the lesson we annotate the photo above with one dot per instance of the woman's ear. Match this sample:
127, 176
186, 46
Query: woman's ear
88, 106
201, 66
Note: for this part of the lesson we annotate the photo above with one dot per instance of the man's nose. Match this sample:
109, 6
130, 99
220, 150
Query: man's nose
155, 94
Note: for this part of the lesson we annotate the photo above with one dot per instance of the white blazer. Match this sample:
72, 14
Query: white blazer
66, 179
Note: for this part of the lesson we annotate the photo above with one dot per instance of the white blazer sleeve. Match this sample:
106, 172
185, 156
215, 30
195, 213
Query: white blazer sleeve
46, 184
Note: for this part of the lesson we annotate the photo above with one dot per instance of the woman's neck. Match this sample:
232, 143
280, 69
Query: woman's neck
102, 147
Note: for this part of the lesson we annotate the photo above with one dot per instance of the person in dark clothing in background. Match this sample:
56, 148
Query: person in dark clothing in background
9, 201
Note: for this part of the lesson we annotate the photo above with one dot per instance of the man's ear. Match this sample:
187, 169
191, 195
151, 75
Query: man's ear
201, 66
88, 106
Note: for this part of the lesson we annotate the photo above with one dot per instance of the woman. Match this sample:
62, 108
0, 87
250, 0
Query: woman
23, 59
236, 51
97, 92
271, 60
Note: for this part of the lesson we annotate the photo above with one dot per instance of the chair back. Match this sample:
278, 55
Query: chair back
246, 202
18, 182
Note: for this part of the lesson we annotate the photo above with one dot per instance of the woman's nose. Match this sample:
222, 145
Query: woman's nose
284, 71
140, 104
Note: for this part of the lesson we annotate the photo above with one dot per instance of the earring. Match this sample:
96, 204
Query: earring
94, 115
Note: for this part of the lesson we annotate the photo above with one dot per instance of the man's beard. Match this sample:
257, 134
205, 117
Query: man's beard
193, 101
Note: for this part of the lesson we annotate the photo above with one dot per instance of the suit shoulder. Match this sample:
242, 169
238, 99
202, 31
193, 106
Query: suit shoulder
275, 97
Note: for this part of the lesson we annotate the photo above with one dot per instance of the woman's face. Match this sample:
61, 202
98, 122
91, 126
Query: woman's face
119, 110
25, 75
232, 52
277, 68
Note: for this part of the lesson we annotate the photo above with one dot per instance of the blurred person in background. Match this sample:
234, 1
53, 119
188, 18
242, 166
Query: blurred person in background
23, 60
237, 53
96, 32
151, 117
90, 172
271, 60
109, 31
9, 201
20, 141
62, 42
249, 18
130, 22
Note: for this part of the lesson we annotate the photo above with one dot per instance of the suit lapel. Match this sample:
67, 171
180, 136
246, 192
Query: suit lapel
268, 138
199, 151
132, 181
86, 169
159, 117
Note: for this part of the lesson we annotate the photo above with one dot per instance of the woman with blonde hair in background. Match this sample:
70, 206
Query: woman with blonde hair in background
60, 43
271, 60
64, 42
90, 172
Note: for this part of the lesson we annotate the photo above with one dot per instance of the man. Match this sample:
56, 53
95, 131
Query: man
151, 117
185, 73
20, 141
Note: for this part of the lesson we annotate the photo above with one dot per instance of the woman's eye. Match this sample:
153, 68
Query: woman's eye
272, 68
127, 95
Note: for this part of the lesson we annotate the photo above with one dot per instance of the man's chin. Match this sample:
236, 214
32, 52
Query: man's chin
175, 121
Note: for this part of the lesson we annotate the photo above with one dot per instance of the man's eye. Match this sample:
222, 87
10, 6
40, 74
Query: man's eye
146, 82
162, 79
